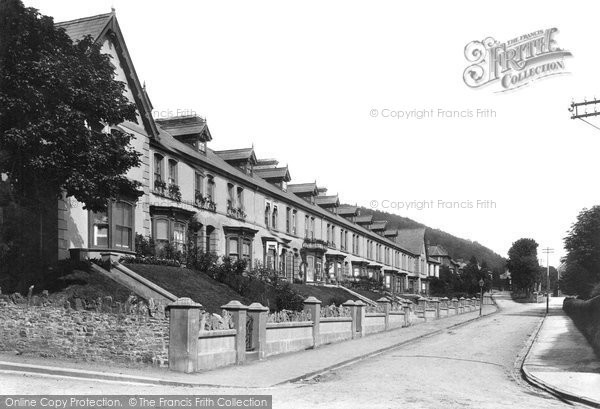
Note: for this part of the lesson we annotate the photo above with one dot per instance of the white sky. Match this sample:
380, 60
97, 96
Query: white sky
298, 79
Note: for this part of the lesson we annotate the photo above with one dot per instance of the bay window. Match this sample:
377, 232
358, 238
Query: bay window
114, 228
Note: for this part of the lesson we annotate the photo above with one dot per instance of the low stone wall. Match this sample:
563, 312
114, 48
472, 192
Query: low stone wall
58, 332
335, 329
216, 348
374, 322
286, 337
586, 315
396, 319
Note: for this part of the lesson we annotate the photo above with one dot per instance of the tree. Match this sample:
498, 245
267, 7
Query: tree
58, 101
523, 264
583, 254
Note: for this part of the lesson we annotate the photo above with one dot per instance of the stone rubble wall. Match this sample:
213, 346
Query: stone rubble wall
103, 330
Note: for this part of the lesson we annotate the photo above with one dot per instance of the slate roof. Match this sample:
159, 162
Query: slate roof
236, 154
437, 251
185, 125
273, 173
379, 225
411, 239
266, 163
391, 233
367, 218
302, 188
79, 28
327, 200
212, 161
347, 210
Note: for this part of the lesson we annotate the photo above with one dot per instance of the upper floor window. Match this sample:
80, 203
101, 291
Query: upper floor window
267, 214
158, 172
306, 226
274, 217
312, 227
210, 187
172, 171
199, 184
288, 220
230, 197
294, 218
240, 198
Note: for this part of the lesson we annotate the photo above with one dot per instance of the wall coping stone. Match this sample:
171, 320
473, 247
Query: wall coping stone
274, 325
217, 333
234, 305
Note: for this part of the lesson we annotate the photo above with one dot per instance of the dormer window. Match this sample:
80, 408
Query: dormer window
201, 146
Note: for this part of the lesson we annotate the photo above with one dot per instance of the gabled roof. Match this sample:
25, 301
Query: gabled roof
437, 251
189, 125
379, 225
235, 155
274, 173
366, 219
266, 163
391, 233
105, 26
303, 188
322, 190
347, 210
327, 201
81, 27
412, 239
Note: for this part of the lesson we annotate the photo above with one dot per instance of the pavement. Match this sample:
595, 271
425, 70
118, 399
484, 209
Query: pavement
276, 370
562, 361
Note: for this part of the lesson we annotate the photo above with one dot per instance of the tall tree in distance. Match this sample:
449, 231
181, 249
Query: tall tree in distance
583, 254
523, 264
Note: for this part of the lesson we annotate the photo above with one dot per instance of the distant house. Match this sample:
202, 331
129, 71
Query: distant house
440, 254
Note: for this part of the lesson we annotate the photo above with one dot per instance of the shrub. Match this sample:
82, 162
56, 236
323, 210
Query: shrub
287, 298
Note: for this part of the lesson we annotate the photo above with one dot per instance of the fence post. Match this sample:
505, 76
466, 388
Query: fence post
238, 315
350, 304
422, 303
406, 308
360, 317
184, 329
258, 313
437, 308
386, 309
461, 303
313, 306
455, 304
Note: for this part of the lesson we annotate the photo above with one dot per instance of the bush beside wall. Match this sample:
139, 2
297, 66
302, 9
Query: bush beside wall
586, 315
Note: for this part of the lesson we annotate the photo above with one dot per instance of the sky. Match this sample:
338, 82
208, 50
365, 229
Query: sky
314, 84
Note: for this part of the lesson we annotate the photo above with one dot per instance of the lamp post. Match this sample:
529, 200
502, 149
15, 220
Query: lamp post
481, 283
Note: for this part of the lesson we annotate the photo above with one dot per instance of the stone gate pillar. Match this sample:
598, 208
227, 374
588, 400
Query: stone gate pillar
184, 329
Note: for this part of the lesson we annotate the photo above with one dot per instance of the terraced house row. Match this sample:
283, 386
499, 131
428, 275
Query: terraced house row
233, 203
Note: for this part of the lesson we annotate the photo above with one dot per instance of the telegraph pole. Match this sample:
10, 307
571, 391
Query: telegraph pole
547, 251
577, 106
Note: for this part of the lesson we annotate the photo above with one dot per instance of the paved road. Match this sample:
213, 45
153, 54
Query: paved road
470, 366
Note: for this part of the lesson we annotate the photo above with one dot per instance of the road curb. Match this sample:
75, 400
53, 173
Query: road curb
92, 375
550, 388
